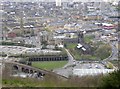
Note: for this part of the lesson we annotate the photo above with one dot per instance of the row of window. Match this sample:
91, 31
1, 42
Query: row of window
48, 59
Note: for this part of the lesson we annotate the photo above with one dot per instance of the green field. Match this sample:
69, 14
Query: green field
71, 45
88, 38
49, 65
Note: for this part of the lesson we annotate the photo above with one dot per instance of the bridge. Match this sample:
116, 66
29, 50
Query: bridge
15, 67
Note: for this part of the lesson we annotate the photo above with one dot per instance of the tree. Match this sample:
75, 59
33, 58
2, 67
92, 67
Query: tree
65, 45
56, 47
103, 51
23, 61
112, 80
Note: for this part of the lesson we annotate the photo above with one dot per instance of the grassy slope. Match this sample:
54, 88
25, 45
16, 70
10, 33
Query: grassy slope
71, 47
87, 81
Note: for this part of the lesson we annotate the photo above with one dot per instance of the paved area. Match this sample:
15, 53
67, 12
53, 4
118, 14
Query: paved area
19, 50
84, 72
89, 66
114, 55
73, 67
79, 68
67, 71
12, 49
38, 50
63, 71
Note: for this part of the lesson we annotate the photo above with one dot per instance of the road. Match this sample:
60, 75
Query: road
12, 49
114, 51
67, 69
114, 54
70, 58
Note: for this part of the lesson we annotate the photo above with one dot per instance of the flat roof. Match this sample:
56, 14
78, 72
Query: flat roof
84, 72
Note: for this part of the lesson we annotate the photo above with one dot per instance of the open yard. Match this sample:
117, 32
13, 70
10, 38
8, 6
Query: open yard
76, 53
100, 51
88, 38
49, 65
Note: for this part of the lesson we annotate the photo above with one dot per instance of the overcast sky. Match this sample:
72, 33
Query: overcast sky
61, 0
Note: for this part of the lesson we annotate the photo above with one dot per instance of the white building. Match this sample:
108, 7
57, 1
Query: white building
85, 72
58, 2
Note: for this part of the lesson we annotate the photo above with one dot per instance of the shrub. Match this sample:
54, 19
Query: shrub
111, 80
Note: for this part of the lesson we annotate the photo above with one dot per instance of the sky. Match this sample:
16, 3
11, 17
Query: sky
61, 0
